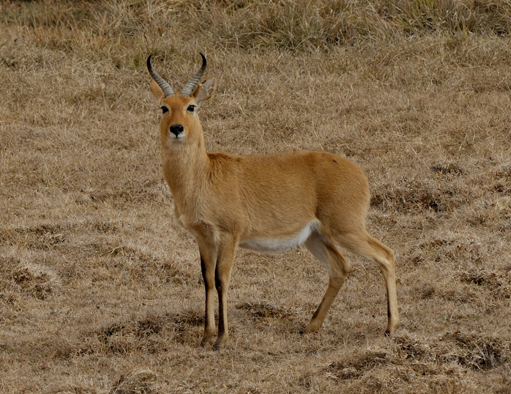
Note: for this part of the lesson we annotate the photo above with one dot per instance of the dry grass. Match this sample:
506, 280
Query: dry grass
100, 289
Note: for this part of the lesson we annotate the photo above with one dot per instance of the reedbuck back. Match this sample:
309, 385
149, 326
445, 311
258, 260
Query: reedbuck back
266, 203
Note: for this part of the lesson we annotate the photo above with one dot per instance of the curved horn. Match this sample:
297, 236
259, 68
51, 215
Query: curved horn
167, 90
190, 86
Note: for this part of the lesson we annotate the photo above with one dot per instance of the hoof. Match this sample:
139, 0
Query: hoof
207, 340
219, 344
311, 328
391, 328
390, 331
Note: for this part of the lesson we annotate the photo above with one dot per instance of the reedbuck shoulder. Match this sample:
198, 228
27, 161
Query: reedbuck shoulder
268, 203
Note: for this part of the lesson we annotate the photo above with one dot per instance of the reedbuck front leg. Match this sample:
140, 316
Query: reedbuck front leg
207, 263
216, 265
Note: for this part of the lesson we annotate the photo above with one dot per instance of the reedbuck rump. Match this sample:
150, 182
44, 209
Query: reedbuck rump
266, 203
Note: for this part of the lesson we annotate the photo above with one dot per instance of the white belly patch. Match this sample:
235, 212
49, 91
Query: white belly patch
278, 245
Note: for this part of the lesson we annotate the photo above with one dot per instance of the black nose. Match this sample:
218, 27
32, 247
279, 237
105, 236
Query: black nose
176, 129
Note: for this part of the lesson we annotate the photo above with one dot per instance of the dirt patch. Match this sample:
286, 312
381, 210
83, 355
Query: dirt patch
36, 280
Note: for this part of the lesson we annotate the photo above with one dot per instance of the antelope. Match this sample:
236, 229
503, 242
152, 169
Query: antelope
268, 203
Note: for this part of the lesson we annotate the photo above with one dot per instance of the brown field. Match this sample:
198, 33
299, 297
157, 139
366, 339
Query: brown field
100, 288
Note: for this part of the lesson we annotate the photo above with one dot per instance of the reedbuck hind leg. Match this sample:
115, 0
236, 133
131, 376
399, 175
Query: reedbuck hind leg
365, 245
338, 269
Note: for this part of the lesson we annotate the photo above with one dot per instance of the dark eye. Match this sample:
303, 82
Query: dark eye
191, 108
164, 109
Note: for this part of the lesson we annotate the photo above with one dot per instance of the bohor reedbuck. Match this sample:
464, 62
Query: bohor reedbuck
268, 203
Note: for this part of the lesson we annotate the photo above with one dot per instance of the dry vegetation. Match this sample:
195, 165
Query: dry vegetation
100, 289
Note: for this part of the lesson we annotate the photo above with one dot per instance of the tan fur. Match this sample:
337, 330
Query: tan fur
266, 202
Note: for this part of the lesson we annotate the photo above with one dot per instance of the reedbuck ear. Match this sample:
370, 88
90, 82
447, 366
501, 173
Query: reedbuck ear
205, 90
156, 91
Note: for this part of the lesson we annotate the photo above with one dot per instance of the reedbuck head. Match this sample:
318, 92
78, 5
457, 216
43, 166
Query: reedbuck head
180, 123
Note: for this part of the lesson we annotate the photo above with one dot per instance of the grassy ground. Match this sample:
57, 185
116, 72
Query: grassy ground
100, 288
